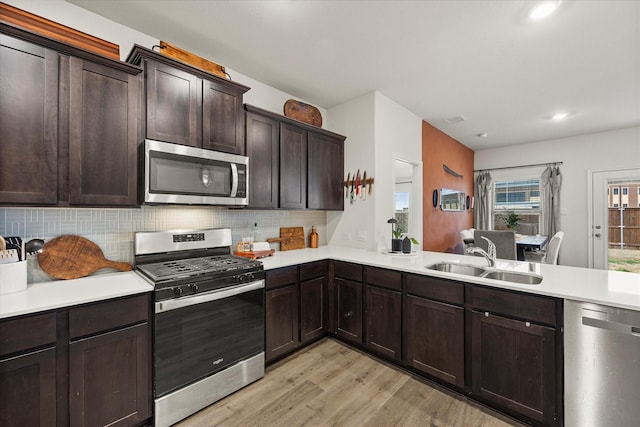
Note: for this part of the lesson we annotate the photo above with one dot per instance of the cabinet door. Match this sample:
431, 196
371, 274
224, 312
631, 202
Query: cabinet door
348, 311
28, 389
513, 365
293, 167
174, 104
222, 118
28, 123
102, 135
282, 325
383, 320
263, 151
313, 309
434, 338
109, 378
326, 160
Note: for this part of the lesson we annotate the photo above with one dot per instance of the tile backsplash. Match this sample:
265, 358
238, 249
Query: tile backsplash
114, 229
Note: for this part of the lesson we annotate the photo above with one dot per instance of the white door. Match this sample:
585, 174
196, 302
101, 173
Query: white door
599, 215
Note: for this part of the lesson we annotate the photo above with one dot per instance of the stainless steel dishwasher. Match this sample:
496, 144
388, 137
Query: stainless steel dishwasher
601, 366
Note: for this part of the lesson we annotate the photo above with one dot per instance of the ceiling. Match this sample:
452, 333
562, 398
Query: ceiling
482, 60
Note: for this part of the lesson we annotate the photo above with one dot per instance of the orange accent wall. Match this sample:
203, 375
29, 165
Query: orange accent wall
441, 230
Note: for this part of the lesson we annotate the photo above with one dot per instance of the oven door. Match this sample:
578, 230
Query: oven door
199, 335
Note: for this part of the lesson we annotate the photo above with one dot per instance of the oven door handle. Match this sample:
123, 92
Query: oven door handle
172, 304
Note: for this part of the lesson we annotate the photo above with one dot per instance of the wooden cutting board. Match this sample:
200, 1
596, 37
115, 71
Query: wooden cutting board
290, 238
71, 257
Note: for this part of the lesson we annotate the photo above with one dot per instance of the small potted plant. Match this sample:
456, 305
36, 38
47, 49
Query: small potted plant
511, 220
398, 243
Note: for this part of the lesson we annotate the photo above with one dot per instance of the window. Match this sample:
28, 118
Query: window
625, 191
402, 210
521, 197
624, 205
615, 191
615, 205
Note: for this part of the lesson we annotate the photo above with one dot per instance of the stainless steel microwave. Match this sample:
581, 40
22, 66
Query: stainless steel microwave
179, 174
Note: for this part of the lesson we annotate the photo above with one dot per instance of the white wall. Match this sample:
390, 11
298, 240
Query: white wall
356, 120
379, 130
580, 154
398, 134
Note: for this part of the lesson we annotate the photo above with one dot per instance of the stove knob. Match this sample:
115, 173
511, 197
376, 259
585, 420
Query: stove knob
194, 287
177, 291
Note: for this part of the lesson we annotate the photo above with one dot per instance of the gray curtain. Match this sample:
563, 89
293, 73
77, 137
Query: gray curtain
550, 184
483, 201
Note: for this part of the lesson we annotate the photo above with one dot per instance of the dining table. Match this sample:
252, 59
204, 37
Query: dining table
528, 241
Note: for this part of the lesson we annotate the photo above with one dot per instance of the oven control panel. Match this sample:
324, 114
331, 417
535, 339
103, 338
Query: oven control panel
188, 237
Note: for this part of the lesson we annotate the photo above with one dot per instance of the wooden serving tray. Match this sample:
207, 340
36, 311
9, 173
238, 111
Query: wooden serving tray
255, 254
53, 30
304, 112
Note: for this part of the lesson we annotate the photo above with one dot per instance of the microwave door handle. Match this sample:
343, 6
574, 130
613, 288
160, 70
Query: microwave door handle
234, 180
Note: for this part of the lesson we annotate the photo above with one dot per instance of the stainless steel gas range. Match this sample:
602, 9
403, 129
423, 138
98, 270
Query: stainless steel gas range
208, 338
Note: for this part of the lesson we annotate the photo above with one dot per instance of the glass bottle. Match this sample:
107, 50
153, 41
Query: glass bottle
313, 237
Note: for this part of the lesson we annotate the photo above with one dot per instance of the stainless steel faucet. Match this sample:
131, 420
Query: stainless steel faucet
491, 256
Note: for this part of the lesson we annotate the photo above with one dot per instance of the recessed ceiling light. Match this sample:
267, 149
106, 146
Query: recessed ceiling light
454, 119
482, 135
559, 116
543, 10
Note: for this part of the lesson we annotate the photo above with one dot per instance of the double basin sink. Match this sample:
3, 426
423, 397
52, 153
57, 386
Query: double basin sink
487, 273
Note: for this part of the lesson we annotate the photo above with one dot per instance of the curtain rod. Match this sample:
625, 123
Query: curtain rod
518, 167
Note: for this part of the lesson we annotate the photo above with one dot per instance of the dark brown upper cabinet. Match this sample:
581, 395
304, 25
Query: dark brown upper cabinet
69, 124
292, 165
185, 105
263, 150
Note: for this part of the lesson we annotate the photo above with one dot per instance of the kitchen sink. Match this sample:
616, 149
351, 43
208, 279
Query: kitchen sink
487, 273
512, 276
453, 267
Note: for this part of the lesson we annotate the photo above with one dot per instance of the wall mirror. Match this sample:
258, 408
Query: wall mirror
452, 200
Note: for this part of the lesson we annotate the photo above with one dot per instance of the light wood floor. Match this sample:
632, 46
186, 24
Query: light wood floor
330, 384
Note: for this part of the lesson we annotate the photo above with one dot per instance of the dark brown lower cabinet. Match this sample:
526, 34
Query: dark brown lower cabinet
28, 389
313, 309
348, 310
108, 378
88, 365
435, 339
383, 320
282, 327
513, 365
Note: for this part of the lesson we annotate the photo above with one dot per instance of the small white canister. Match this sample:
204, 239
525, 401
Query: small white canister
13, 277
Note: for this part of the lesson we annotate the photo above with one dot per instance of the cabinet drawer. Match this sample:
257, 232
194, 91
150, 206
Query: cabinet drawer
95, 318
313, 270
437, 289
516, 304
26, 333
384, 278
281, 277
347, 270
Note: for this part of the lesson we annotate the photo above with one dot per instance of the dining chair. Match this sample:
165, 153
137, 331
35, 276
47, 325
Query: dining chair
467, 239
505, 241
553, 248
